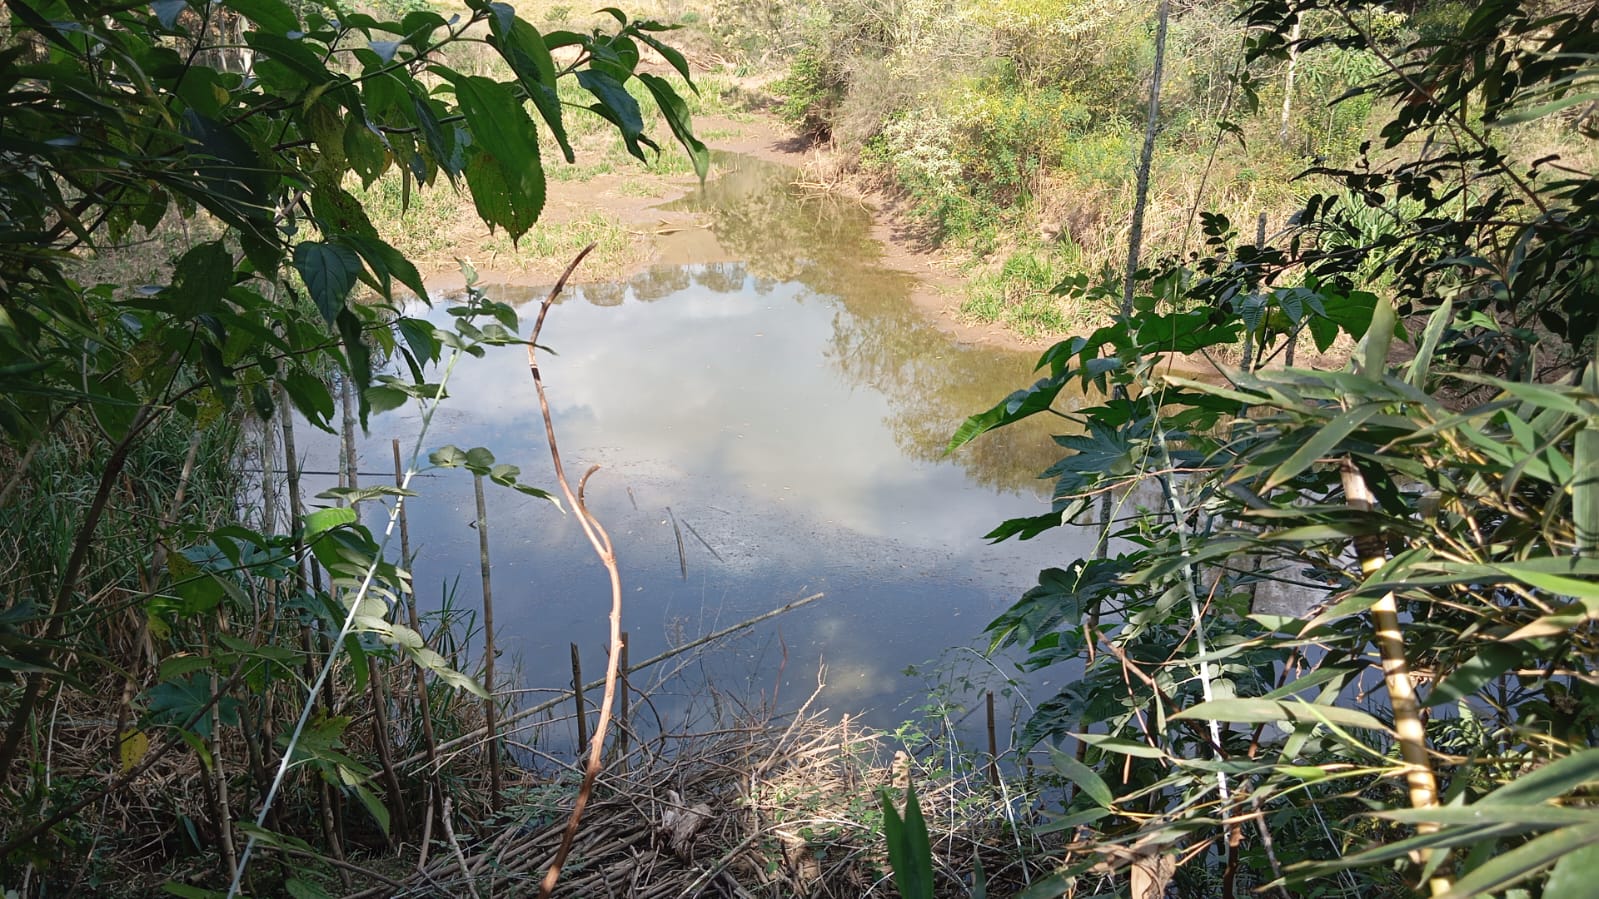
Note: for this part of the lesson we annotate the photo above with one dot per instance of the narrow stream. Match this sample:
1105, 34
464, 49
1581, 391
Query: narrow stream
785, 414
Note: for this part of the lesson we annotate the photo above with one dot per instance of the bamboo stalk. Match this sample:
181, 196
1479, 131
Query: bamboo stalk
1412, 733
490, 709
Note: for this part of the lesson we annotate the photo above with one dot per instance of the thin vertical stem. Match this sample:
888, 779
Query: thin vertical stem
423, 699
490, 708
624, 727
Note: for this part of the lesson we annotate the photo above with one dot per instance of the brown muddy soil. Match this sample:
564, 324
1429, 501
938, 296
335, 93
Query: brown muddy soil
635, 198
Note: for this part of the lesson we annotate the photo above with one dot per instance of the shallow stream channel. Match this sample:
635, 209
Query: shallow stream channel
769, 424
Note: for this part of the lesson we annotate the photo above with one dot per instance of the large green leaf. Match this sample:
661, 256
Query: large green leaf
1090, 783
1019, 405
505, 175
1575, 875
525, 51
677, 118
910, 851
330, 272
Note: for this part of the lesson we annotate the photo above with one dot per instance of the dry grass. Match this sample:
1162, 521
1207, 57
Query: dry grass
772, 809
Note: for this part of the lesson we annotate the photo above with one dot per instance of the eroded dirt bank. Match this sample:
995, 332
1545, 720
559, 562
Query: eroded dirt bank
636, 200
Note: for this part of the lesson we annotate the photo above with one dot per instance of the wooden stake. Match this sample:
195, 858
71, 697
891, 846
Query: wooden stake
577, 696
993, 745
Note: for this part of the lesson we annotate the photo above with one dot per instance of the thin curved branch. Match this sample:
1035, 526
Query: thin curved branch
601, 541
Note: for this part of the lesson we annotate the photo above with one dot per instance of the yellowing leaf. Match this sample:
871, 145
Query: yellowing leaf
131, 749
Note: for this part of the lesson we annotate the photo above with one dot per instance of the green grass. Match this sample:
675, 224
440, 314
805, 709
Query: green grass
1018, 295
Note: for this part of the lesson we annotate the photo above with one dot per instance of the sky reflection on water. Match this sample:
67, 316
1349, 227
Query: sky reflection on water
789, 412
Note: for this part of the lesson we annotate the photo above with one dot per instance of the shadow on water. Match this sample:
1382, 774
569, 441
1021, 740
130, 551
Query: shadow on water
783, 414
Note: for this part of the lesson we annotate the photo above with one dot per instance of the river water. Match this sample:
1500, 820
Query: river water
768, 426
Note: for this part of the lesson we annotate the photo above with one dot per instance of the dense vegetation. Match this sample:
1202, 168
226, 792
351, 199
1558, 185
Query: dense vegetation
1338, 637
175, 665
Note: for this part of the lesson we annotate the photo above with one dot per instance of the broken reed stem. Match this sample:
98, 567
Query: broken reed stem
455, 847
656, 659
577, 696
1408, 725
601, 542
489, 707
223, 809
682, 557
377, 687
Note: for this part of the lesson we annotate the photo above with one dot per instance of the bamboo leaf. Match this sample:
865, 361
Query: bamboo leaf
1441, 318
1266, 711
1554, 779
1510, 868
1574, 875
1321, 443
1083, 776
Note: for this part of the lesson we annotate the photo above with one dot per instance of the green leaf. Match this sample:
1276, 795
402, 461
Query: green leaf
1091, 784
311, 396
374, 806
505, 177
1441, 318
910, 852
1017, 406
383, 399
677, 118
524, 49
1266, 711
200, 280
617, 106
1529, 816
1321, 443
1522, 862
323, 520
304, 889
1554, 779
1585, 487
272, 15
1575, 874
1121, 746
386, 262
1373, 359
1493, 660
329, 272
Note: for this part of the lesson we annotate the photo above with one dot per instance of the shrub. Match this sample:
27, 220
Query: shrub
812, 91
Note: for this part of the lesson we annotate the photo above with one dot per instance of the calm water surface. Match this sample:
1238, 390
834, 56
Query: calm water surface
788, 410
